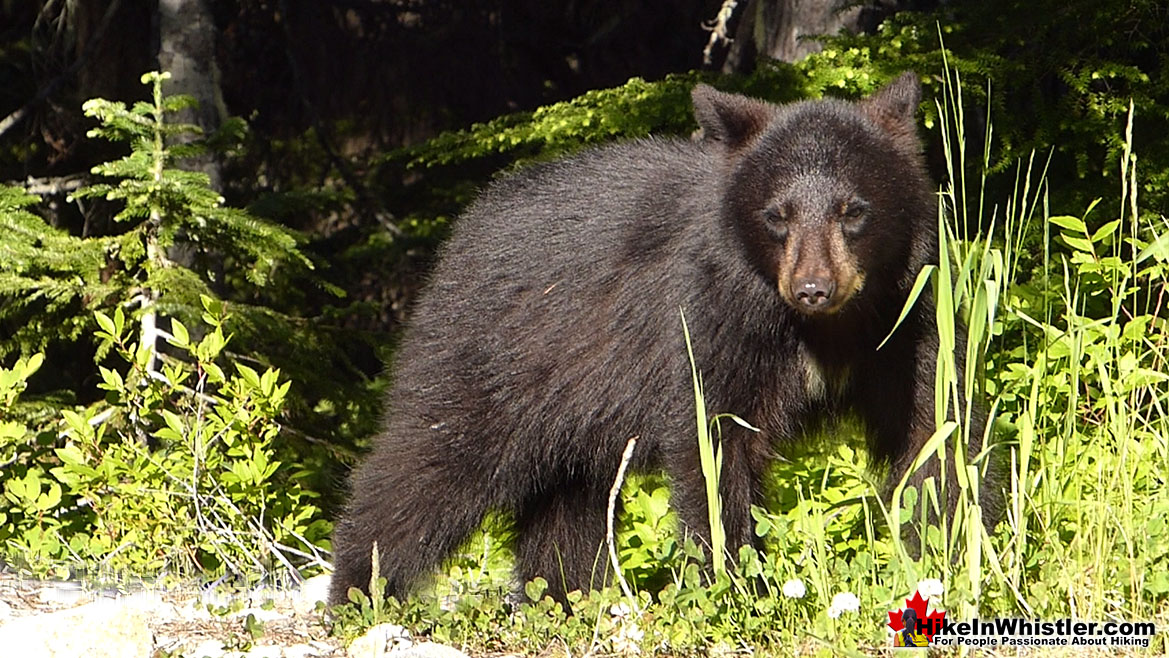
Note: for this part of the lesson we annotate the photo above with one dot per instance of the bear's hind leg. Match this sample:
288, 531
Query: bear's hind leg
417, 511
562, 538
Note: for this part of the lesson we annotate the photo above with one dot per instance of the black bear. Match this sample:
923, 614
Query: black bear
549, 333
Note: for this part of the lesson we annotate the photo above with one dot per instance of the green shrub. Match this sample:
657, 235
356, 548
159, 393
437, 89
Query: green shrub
179, 468
177, 473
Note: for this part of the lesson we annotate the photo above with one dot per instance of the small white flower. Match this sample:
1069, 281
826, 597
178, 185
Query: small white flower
794, 589
842, 603
631, 633
620, 610
931, 588
627, 640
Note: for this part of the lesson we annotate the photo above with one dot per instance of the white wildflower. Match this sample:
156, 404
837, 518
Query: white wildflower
842, 603
627, 640
931, 588
794, 589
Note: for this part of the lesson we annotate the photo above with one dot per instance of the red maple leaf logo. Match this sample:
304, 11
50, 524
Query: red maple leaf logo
929, 622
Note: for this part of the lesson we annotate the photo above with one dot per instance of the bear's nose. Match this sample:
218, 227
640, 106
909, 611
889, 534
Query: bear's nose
814, 292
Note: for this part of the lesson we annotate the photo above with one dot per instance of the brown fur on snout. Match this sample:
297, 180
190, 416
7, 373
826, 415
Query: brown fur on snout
810, 252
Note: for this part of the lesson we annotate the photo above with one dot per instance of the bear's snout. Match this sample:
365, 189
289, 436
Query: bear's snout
814, 293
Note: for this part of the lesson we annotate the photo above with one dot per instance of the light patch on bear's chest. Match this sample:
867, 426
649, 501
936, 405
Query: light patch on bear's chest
821, 383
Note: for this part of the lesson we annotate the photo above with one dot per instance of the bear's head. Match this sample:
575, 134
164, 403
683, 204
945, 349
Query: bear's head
829, 198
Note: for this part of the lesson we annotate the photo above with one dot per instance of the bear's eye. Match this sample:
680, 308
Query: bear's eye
853, 215
776, 219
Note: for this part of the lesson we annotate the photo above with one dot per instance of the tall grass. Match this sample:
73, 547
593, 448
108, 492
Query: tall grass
710, 457
1088, 495
1053, 325
1068, 322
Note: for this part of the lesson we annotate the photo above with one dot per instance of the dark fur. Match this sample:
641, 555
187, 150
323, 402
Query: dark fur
550, 334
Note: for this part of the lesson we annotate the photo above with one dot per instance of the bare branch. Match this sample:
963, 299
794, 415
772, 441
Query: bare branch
625, 457
718, 29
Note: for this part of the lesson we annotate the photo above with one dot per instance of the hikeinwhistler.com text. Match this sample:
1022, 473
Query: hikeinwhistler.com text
1018, 632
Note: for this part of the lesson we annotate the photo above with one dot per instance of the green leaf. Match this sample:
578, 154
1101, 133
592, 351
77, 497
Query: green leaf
168, 434
1158, 248
11, 431
249, 375
70, 454
106, 323
1070, 223
173, 421
33, 364
1105, 231
923, 277
180, 336
76, 422
535, 588
214, 373
50, 499
1079, 244
111, 379
742, 423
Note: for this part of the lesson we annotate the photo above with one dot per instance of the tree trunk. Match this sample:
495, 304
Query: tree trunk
786, 29
186, 48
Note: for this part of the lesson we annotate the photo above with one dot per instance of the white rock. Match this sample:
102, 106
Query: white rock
266, 651
64, 593
103, 629
153, 604
5, 612
311, 591
207, 649
304, 651
429, 650
379, 641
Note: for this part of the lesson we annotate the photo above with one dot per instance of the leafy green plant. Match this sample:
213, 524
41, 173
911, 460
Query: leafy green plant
51, 278
177, 468
29, 498
177, 474
157, 238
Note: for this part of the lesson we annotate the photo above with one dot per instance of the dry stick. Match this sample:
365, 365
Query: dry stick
625, 457
718, 30
54, 185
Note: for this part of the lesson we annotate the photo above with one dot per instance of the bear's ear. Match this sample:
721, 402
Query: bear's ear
731, 119
893, 106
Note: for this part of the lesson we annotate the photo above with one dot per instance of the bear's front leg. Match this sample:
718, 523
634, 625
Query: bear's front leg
745, 460
899, 411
